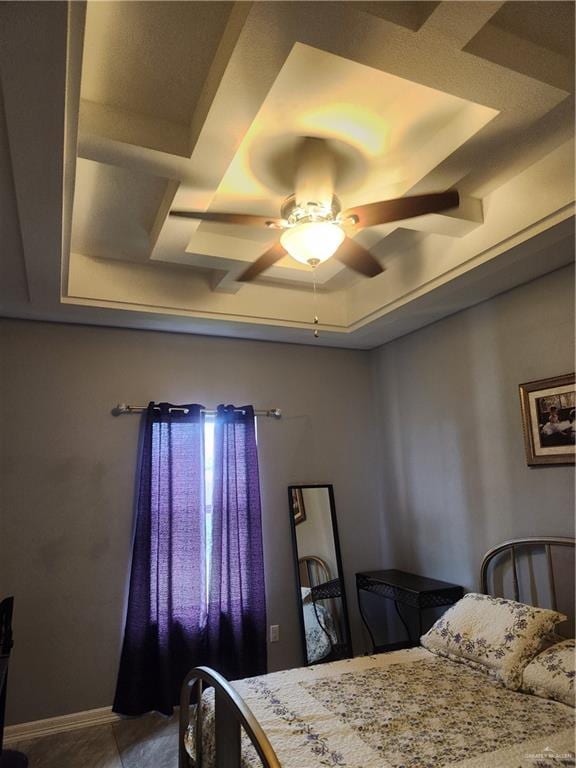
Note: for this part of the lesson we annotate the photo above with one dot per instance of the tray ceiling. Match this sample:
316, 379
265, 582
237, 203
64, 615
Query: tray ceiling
200, 105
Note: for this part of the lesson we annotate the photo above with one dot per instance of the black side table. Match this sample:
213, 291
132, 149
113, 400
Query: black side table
418, 592
326, 591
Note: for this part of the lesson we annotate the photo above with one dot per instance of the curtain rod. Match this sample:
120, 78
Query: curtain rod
122, 408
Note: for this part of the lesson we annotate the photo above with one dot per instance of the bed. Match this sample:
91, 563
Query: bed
404, 709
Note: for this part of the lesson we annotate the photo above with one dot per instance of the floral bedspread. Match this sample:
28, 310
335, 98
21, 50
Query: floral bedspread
319, 626
407, 709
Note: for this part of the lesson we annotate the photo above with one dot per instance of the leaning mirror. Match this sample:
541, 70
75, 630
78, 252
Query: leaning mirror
320, 585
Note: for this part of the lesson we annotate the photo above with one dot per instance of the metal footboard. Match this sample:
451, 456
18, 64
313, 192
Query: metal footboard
231, 714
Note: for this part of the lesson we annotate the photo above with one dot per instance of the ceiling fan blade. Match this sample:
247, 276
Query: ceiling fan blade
262, 263
402, 208
356, 257
230, 218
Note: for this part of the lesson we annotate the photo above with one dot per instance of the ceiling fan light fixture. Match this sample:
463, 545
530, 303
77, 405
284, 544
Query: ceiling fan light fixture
312, 242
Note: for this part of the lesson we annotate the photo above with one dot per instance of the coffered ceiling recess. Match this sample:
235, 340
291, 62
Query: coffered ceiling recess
128, 110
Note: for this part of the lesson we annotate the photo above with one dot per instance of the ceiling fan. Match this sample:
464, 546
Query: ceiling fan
313, 225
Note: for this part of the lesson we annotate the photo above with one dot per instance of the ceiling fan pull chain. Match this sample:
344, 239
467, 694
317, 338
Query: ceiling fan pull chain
316, 334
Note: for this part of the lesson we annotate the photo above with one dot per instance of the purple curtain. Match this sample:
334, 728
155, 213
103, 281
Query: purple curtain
237, 602
186, 608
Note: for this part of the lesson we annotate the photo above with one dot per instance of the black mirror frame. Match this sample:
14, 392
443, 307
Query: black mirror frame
345, 619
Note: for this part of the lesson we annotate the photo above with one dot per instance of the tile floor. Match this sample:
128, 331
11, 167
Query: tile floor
144, 742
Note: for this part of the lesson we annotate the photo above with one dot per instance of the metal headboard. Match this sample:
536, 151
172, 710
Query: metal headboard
514, 547
313, 571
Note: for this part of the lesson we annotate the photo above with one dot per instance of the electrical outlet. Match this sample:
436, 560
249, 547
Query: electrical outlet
274, 633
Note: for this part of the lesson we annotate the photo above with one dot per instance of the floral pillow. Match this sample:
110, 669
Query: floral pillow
551, 673
492, 634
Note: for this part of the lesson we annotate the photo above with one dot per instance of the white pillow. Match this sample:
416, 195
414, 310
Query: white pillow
551, 673
492, 634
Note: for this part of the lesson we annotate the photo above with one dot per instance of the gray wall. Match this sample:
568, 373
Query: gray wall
422, 440
67, 479
453, 467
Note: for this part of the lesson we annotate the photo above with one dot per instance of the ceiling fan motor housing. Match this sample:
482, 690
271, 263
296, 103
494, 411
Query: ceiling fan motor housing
312, 211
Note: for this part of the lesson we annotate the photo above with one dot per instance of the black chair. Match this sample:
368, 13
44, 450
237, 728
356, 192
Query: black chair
8, 757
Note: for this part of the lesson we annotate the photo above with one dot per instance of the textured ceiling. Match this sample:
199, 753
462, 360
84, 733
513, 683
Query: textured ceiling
410, 15
525, 36
155, 105
549, 25
150, 58
12, 269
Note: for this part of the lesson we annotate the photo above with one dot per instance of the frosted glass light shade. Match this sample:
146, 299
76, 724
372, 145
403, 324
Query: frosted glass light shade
312, 242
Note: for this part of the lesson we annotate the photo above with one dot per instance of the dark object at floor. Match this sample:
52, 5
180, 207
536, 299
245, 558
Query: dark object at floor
11, 759
8, 758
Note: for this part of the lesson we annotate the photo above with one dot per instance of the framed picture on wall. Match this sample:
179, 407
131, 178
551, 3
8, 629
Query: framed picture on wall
548, 415
298, 509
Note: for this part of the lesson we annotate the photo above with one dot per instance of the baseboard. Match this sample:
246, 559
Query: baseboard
37, 728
